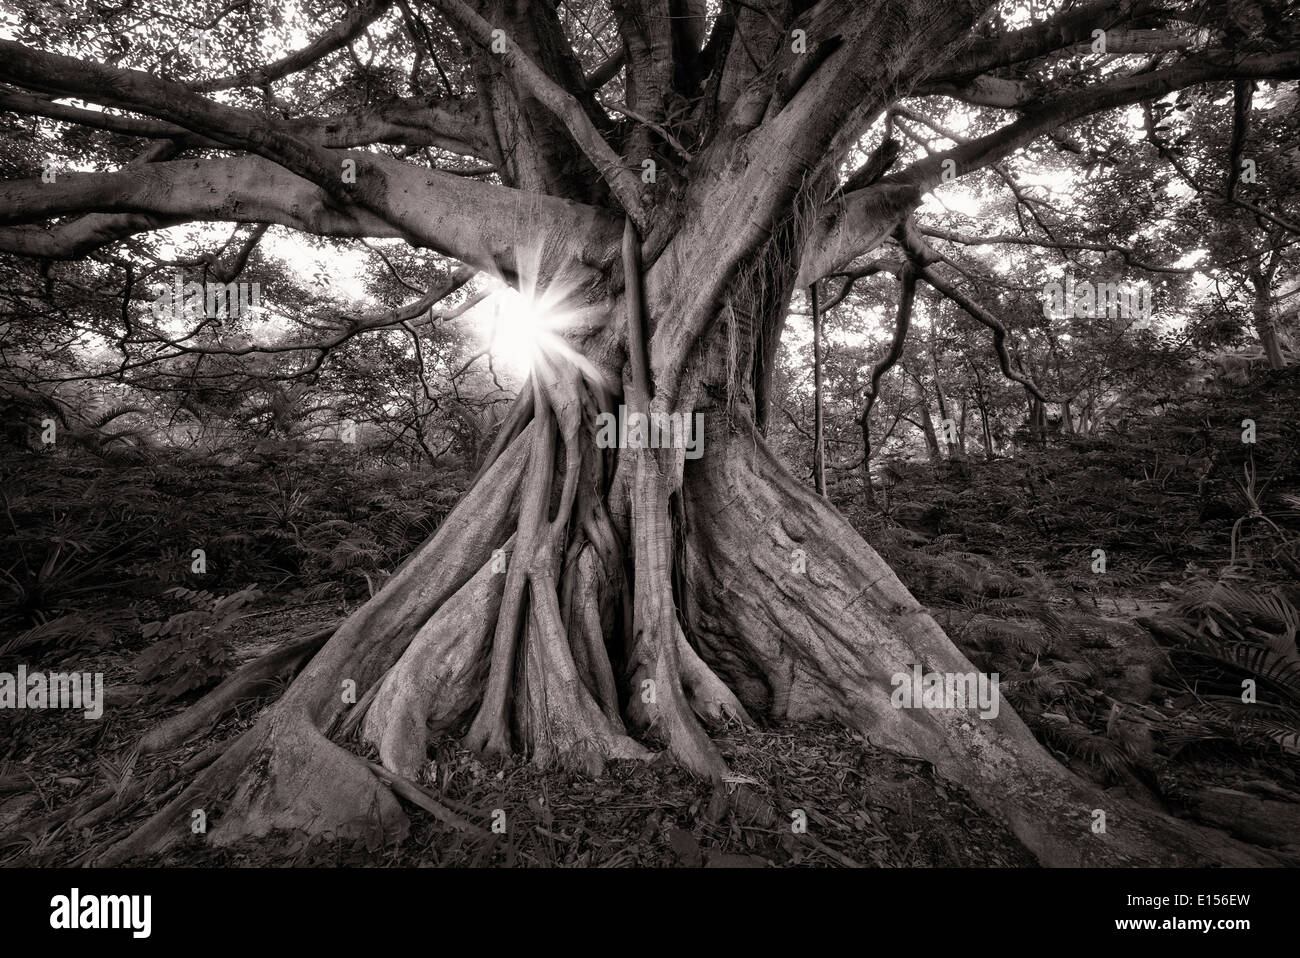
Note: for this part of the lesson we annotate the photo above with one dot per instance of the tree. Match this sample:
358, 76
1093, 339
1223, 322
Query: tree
645, 595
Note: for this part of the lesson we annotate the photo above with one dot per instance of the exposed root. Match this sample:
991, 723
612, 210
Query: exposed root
559, 717
281, 775
590, 614
284, 773
658, 641
418, 796
490, 731
827, 630
707, 694
520, 415
438, 678
244, 684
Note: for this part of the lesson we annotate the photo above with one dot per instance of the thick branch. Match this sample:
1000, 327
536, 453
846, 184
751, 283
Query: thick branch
530, 78
442, 211
1012, 239
902, 323
478, 223
451, 125
1064, 30
858, 223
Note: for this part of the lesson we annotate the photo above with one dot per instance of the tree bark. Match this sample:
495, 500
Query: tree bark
819, 435
1262, 310
829, 648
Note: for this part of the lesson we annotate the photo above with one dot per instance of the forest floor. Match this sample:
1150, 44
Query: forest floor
863, 805
1132, 676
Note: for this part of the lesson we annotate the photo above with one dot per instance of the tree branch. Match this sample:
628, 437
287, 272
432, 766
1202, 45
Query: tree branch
337, 37
477, 223
922, 256
857, 223
530, 78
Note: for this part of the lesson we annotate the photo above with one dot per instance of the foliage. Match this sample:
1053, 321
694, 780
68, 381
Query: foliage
90, 549
1003, 553
1224, 633
191, 651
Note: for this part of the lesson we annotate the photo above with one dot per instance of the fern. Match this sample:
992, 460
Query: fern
67, 632
1225, 632
192, 652
1090, 748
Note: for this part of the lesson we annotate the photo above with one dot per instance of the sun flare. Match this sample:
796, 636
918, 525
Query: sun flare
529, 325
519, 327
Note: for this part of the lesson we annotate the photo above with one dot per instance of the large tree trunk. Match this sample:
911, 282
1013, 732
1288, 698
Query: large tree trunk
644, 598
825, 643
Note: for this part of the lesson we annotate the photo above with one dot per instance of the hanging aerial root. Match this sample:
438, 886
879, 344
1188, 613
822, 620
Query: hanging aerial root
490, 730
659, 701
